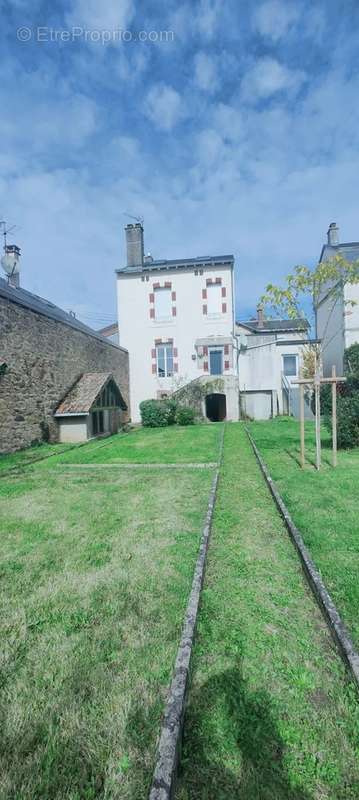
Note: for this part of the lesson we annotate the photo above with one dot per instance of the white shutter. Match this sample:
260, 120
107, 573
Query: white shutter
162, 303
214, 299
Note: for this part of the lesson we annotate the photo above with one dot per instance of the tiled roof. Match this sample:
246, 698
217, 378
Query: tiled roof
349, 250
179, 263
83, 394
41, 306
275, 325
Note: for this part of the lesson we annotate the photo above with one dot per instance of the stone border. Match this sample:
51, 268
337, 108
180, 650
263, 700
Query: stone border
170, 739
134, 465
337, 628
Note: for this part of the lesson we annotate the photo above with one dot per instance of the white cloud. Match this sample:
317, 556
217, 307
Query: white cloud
207, 17
164, 106
205, 72
267, 77
275, 18
228, 121
94, 15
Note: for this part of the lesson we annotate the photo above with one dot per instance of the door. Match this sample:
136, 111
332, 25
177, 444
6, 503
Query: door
216, 361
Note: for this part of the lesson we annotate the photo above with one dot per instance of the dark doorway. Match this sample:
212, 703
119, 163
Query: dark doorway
216, 407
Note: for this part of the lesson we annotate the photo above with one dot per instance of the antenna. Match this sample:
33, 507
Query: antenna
10, 259
138, 219
6, 230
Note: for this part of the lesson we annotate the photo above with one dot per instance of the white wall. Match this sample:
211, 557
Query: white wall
72, 429
330, 329
351, 315
138, 331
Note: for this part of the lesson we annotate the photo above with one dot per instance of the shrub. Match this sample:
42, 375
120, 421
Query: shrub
157, 413
185, 415
348, 421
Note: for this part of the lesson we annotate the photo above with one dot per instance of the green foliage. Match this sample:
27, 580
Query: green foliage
185, 415
348, 421
351, 360
303, 281
158, 413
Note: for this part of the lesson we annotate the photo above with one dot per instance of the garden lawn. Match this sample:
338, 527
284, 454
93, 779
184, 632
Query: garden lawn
271, 713
28, 456
95, 571
324, 506
195, 443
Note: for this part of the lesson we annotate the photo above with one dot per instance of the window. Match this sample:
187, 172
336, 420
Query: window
216, 361
164, 353
97, 422
163, 305
290, 365
214, 299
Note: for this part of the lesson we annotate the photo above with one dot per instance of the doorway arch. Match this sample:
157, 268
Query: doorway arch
216, 407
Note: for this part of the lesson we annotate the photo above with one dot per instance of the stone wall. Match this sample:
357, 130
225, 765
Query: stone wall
44, 359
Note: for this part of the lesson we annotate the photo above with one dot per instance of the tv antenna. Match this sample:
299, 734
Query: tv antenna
140, 220
6, 230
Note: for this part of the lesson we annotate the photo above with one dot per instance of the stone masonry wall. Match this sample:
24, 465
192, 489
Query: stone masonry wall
45, 358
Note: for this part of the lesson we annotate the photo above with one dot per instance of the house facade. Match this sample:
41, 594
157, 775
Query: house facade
270, 358
337, 320
176, 318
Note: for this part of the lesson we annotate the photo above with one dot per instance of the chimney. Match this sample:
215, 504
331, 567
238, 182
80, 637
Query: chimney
10, 264
333, 234
134, 242
260, 316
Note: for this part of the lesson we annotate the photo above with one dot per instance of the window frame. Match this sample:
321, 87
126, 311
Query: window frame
156, 292
290, 374
216, 349
210, 288
166, 347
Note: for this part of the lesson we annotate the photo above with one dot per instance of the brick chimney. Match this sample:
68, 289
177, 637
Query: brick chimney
333, 234
134, 242
260, 316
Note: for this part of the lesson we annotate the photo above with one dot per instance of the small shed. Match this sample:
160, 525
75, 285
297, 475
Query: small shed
93, 407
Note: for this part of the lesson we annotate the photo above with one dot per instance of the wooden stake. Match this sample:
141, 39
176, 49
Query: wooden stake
317, 420
302, 439
334, 416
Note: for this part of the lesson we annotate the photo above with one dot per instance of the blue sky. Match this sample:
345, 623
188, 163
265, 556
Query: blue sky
238, 131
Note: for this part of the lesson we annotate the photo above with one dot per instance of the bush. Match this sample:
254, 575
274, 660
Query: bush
185, 415
158, 413
348, 421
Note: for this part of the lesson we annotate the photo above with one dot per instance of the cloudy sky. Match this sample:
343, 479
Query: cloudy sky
232, 126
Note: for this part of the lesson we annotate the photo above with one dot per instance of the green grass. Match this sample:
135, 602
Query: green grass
271, 713
197, 443
95, 571
324, 506
23, 457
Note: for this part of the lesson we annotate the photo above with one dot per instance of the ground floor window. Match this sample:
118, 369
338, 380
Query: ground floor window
97, 423
216, 360
290, 365
164, 354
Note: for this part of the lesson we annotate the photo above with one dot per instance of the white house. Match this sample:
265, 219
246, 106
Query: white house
270, 356
337, 321
177, 319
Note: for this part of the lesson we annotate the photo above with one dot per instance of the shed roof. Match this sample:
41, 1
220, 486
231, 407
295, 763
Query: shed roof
275, 325
41, 306
83, 394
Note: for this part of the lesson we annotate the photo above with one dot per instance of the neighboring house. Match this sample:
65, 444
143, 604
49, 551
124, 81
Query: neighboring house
110, 332
177, 320
270, 354
337, 321
43, 352
92, 407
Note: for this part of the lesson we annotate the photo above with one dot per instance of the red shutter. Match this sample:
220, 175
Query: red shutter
219, 280
205, 309
226, 365
168, 285
173, 297
158, 341
226, 349
209, 281
153, 353
205, 350
154, 369
174, 311
224, 308
156, 285
152, 313
152, 297
223, 291
175, 352
175, 367
205, 366
204, 294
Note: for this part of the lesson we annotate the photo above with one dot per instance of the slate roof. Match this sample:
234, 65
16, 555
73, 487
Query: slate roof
83, 394
349, 250
179, 263
275, 325
41, 306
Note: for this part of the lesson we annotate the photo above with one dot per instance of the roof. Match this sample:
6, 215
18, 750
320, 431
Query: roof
109, 330
178, 263
349, 250
41, 306
275, 325
84, 392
